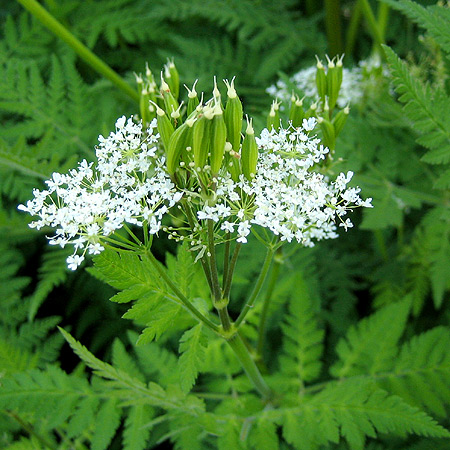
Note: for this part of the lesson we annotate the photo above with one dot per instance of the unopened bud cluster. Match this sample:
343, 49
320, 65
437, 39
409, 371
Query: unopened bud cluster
195, 166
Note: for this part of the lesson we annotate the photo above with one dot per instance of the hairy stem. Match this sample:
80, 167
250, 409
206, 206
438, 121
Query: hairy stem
189, 306
80, 49
258, 286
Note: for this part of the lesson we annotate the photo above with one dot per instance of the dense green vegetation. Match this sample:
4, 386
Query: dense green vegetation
352, 334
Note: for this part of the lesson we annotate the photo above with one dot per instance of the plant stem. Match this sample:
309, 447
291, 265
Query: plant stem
80, 49
32, 432
383, 19
352, 29
229, 275
333, 25
180, 295
372, 23
226, 260
258, 286
270, 288
249, 366
216, 291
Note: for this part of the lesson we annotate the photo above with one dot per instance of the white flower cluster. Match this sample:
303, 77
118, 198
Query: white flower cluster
351, 91
129, 184
286, 195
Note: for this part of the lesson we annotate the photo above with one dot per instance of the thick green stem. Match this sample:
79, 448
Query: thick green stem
80, 49
258, 286
189, 306
249, 366
270, 288
352, 29
333, 25
383, 19
372, 23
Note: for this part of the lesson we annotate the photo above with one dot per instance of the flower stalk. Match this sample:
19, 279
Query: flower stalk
80, 49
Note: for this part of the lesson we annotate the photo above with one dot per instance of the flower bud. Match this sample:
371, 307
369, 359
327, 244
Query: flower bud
201, 138
173, 78
180, 139
334, 80
218, 136
273, 119
340, 119
296, 113
329, 137
165, 128
312, 111
193, 101
170, 103
321, 80
233, 116
249, 153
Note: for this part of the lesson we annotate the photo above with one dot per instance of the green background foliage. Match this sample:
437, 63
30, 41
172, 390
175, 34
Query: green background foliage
357, 334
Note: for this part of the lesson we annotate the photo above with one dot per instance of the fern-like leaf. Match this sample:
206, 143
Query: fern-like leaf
302, 344
192, 349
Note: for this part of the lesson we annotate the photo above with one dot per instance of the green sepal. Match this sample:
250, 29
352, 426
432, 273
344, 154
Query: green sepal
218, 139
233, 116
339, 120
321, 80
201, 138
172, 78
249, 153
329, 137
334, 81
296, 112
180, 139
165, 127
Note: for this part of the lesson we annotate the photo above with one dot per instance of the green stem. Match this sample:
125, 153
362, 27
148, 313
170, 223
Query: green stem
333, 26
249, 366
227, 285
352, 29
217, 294
80, 49
32, 432
226, 260
372, 23
179, 294
270, 288
383, 19
258, 286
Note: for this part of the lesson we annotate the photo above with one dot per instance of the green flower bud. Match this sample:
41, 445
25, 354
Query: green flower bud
273, 119
249, 153
201, 138
180, 139
340, 119
165, 128
170, 103
321, 80
219, 136
329, 137
296, 113
173, 78
233, 116
312, 111
334, 80
193, 101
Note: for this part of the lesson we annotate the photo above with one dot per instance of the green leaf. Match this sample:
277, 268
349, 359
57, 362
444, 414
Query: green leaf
371, 345
192, 348
136, 434
107, 422
302, 340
